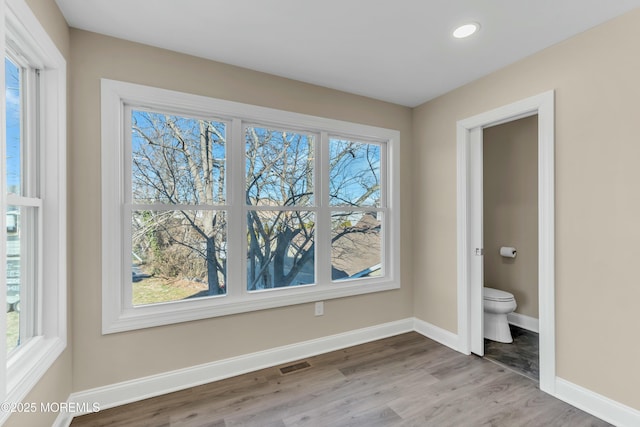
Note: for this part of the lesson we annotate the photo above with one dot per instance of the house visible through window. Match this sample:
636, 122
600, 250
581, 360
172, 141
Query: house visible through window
230, 207
355, 196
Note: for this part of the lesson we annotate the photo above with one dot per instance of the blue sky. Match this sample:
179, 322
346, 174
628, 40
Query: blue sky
12, 84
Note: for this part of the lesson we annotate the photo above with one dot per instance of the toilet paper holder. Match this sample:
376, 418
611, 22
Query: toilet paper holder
508, 252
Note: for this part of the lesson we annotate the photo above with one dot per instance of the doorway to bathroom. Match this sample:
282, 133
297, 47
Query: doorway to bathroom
510, 243
471, 248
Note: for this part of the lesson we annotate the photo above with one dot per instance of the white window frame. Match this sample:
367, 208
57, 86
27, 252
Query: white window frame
23, 368
119, 315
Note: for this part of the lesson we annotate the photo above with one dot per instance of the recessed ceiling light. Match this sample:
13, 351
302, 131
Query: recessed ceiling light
465, 30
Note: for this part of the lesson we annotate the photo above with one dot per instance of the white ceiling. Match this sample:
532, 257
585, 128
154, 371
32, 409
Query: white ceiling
399, 51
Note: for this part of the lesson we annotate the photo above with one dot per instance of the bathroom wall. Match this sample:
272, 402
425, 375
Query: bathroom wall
511, 210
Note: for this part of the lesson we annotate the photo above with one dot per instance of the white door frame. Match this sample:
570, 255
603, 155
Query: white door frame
470, 317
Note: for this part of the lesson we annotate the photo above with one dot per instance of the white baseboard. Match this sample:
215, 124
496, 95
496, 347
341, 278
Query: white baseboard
64, 419
156, 385
602, 407
438, 334
523, 321
599, 406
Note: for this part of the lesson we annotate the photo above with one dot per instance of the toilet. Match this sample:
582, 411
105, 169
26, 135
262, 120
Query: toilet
497, 304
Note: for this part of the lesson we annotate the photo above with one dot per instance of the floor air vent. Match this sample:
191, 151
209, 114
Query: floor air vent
295, 367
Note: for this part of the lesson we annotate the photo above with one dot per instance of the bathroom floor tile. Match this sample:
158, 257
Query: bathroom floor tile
521, 355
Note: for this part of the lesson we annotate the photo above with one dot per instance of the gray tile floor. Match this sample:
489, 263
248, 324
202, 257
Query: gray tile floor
521, 355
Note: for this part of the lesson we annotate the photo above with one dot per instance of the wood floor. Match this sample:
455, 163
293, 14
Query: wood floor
407, 380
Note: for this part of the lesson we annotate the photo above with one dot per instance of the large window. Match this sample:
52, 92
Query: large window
281, 219
212, 207
24, 206
33, 202
177, 206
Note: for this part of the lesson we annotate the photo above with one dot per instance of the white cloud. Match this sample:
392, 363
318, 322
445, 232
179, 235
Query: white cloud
13, 97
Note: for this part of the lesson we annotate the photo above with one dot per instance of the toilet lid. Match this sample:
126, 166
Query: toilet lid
496, 295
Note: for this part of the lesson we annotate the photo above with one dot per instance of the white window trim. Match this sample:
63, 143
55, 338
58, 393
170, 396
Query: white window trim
116, 316
29, 363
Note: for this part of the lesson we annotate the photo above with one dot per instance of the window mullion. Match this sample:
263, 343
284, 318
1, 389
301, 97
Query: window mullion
237, 216
126, 286
323, 220
384, 177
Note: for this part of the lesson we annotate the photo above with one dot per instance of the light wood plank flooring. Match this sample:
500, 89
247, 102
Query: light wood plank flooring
406, 380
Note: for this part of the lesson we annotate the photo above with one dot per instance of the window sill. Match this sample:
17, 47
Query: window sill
187, 310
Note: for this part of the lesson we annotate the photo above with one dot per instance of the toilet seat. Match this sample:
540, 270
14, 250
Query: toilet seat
491, 294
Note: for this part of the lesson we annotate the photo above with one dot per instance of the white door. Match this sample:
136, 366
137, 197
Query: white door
476, 267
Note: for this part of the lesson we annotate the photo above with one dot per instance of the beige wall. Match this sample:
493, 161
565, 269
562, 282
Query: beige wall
511, 210
54, 387
56, 384
53, 22
595, 75
597, 207
102, 360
